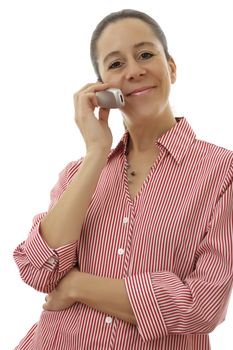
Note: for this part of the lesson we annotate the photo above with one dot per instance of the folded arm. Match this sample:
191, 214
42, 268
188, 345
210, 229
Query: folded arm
160, 303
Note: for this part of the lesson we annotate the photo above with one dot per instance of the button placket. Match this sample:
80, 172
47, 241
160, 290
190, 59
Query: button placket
52, 260
125, 220
121, 251
108, 320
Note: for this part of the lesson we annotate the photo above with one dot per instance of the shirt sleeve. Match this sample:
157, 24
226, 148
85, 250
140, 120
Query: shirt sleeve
164, 304
40, 266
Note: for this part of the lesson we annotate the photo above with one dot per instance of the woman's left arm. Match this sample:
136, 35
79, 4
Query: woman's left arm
164, 304
160, 303
103, 294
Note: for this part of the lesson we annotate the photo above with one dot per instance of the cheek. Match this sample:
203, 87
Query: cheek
166, 76
113, 80
108, 77
171, 76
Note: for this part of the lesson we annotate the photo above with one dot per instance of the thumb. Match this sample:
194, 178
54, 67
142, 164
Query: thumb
104, 114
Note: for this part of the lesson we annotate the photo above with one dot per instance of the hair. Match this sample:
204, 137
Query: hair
119, 15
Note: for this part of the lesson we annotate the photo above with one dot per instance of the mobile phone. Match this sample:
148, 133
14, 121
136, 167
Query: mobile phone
110, 98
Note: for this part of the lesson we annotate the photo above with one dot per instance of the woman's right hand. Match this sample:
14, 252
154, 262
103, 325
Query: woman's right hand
95, 130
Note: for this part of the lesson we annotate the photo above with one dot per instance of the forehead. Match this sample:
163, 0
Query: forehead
124, 34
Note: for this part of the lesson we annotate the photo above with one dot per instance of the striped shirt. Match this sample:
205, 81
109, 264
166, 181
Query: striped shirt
172, 245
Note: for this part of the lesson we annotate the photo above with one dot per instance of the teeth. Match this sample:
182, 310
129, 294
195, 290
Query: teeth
140, 92
137, 93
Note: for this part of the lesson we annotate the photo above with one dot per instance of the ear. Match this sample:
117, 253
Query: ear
172, 69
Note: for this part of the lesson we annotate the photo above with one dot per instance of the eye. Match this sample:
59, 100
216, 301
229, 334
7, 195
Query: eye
116, 64
145, 55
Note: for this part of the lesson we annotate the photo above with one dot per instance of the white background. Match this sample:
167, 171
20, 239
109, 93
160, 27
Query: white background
44, 59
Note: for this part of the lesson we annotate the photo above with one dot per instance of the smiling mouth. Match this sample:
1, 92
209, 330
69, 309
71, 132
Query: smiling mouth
141, 92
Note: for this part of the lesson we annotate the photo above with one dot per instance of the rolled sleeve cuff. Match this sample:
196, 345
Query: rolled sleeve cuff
150, 323
41, 255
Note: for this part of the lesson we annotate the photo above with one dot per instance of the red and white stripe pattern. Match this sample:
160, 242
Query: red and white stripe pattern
172, 244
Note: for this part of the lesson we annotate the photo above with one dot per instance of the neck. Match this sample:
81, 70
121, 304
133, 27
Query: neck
143, 137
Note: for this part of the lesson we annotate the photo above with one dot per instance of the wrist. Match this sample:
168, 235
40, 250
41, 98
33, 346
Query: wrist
81, 292
73, 287
98, 157
97, 151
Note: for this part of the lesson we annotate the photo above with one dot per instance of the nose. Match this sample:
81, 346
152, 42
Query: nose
134, 70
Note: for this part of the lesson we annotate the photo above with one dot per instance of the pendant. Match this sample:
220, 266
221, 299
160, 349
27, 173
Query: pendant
131, 173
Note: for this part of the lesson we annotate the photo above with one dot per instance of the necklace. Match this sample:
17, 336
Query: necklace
130, 173
143, 171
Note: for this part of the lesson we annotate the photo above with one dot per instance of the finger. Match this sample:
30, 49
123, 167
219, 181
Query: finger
88, 99
104, 114
94, 87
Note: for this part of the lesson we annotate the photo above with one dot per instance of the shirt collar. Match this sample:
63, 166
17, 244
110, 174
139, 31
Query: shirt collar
176, 140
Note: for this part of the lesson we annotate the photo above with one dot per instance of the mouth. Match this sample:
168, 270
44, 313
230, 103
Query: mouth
140, 91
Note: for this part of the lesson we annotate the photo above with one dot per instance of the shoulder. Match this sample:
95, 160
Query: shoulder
217, 160
213, 152
69, 170
74, 166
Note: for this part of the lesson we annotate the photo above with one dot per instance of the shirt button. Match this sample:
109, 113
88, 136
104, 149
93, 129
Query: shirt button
108, 320
121, 251
51, 260
125, 220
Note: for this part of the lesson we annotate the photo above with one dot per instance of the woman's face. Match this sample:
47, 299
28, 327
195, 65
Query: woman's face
131, 58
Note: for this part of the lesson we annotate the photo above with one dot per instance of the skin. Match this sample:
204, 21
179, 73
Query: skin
125, 63
147, 116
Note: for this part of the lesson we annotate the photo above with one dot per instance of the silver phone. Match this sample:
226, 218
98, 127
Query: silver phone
110, 98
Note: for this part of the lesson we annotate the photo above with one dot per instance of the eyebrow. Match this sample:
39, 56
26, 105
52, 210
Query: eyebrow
136, 46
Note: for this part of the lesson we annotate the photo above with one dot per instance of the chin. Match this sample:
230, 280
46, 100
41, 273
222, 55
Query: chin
146, 112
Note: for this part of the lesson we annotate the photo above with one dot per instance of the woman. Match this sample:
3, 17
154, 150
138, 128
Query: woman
135, 251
